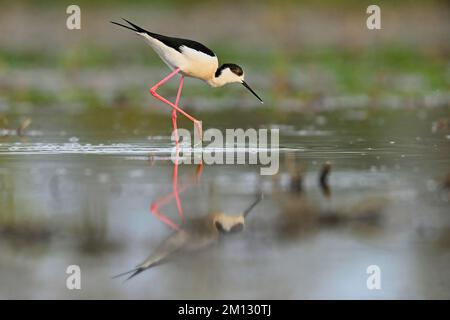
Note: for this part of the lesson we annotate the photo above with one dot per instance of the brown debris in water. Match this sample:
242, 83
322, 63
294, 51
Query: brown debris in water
323, 179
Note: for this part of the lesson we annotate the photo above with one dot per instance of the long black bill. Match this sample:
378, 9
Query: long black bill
250, 89
250, 208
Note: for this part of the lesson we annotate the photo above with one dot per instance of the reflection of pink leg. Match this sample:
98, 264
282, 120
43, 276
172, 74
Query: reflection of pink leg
162, 201
175, 106
175, 185
161, 217
154, 207
198, 172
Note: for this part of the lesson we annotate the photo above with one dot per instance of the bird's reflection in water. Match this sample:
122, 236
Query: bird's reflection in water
192, 234
196, 234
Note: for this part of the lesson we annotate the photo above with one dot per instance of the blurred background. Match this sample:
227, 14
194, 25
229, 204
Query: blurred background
84, 149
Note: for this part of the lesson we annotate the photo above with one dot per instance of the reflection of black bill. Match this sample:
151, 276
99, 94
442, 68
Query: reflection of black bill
250, 89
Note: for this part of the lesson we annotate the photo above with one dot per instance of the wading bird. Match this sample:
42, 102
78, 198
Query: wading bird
189, 58
197, 234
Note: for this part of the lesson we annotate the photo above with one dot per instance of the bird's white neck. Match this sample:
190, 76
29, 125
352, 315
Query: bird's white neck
216, 81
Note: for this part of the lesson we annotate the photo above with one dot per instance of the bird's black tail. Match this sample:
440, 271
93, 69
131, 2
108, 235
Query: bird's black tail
134, 272
135, 28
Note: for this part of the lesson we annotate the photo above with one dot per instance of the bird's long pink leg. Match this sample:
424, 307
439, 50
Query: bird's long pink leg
175, 106
174, 111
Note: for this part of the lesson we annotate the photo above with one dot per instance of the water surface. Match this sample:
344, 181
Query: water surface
78, 191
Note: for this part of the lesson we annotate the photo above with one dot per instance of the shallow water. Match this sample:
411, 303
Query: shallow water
77, 182
81, 194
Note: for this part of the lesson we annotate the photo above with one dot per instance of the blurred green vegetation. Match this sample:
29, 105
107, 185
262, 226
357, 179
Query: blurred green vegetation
330, 70
354, 72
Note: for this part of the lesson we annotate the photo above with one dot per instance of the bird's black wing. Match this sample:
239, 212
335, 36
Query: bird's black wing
175, 43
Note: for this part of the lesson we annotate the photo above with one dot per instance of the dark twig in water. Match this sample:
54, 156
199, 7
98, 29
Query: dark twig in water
323, 179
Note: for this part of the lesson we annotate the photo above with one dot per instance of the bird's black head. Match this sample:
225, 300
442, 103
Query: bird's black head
237, 70
230, 73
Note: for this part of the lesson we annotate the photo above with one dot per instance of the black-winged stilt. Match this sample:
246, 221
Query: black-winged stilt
189, 58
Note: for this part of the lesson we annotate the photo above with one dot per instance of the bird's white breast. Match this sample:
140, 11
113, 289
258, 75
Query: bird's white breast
198, 64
